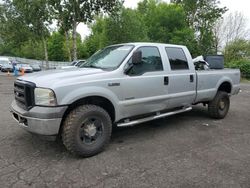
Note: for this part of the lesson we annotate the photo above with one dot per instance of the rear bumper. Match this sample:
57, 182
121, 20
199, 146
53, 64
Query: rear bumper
39, 120
235, 89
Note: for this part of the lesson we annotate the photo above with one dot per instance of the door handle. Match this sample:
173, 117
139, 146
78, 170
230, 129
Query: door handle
166, 80
191, 78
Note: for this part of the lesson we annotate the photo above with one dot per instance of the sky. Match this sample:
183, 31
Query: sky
242, 6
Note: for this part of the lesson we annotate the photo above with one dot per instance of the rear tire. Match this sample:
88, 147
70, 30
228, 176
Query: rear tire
87, 130
219, 106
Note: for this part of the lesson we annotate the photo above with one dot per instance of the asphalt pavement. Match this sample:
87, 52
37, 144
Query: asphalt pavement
185, 150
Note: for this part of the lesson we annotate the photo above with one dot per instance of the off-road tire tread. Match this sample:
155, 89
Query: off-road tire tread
213, 105
68, 130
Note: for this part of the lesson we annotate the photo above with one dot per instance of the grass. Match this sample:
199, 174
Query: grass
244, 80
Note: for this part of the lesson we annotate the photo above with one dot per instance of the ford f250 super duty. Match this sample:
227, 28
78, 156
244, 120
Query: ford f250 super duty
122, 85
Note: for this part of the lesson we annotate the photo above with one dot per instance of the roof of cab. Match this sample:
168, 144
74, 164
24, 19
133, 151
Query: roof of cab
150, 44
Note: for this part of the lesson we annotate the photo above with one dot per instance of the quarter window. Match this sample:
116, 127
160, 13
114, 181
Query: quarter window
151, 61
177, 58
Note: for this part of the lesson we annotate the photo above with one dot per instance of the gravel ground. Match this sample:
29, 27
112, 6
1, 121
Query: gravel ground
185, 150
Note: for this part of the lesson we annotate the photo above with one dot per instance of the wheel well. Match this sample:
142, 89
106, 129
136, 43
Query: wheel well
225, 86
94, 100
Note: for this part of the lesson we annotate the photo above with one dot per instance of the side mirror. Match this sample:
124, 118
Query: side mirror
137, 57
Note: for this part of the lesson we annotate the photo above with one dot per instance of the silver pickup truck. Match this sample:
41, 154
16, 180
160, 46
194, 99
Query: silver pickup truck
122, 85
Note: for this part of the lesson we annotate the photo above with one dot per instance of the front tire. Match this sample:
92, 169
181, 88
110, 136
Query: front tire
219, 106
87, 130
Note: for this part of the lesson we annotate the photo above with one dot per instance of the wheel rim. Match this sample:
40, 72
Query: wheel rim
223, 104
91, 130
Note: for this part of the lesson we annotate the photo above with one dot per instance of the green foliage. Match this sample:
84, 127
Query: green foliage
31, 49
81, 11
237, 54
243, 65
24, 26
98, 37
128, 26
201, 16
166, 23
82, 51
152, 21
56, 49
237, 50
163, 21
13, 31
35, 14
71, 13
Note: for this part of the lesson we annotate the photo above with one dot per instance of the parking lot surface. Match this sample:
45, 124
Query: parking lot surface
185, 150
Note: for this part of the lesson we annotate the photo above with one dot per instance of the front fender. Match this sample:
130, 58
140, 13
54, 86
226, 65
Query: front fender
89, 91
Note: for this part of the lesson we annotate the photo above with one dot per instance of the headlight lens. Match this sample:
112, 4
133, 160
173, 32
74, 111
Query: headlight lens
45, 97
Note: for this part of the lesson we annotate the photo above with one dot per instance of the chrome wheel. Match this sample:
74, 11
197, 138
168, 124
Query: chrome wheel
91, 130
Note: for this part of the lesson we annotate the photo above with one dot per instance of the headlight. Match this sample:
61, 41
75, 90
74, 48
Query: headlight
45, 97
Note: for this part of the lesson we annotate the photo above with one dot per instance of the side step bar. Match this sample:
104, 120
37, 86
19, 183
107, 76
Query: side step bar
157, 116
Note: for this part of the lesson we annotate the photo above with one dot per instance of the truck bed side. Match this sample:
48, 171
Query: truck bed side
209, 82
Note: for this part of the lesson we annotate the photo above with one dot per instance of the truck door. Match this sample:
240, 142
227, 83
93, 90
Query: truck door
144, 90
182, 78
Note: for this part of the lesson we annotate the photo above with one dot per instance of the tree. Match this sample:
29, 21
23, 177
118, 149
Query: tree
125, 26
56, 47
167, 23
237, 50
98, 38
36, 16
76, 11
63, 22
201, 16
13, 30
230, 28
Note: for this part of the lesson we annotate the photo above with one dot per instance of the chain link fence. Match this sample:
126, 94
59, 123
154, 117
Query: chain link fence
41, 63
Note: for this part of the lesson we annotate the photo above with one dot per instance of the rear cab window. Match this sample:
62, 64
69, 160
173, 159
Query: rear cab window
177, 58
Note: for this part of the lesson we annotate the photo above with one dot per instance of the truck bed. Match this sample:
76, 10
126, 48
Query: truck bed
208, 82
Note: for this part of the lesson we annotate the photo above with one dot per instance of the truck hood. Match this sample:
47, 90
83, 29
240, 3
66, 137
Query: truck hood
50, 77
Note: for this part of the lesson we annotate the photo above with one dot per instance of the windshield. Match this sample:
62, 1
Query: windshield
108, 58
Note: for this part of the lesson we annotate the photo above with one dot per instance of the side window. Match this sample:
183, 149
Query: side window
177, 58
151, 61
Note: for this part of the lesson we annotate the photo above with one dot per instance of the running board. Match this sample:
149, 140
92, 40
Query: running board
157, 116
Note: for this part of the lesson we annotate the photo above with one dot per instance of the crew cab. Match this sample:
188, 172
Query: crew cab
122, 85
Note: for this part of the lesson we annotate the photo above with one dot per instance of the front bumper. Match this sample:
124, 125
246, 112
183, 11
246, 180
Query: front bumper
39, 120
